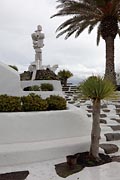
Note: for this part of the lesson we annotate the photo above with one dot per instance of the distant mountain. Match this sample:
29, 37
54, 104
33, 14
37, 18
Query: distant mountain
75, 80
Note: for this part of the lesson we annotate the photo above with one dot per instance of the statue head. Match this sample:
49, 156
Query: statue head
39, 28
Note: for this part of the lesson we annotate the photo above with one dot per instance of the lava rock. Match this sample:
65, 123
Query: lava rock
112, 136
109, 148
115, 128
115, 158
103, 115
103, 121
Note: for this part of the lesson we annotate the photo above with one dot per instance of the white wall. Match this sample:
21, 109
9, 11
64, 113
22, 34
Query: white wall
39, 126
10, 84
36, 136
29, 137
9, 80
44, 94
56, 84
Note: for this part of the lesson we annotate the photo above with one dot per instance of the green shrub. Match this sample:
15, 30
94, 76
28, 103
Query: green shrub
46, 87
34, 88
56, 103
33, 102
10, 103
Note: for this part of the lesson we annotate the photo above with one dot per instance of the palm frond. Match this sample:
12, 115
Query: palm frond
96, 87
85, 14
75, 20
98, 34
70, 30
77, 4
77, 23
118, 32
74, 7
92, 2
92, 25
68, 22
115, 7
70, 33
81, 28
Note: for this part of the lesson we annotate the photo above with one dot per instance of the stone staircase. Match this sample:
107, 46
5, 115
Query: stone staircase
71, 92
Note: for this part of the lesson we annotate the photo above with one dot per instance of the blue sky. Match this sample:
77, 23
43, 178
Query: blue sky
19, 19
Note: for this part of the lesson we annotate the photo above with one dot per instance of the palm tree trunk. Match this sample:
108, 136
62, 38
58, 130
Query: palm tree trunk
65, 82
95, 134
110, 69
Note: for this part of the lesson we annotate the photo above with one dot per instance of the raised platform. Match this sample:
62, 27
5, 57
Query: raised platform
21, 153
38, 136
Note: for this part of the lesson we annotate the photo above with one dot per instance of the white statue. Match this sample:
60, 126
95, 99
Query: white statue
37, 38
38, 44
32, 67
53, 68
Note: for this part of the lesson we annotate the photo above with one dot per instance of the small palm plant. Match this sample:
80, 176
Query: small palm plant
96, 88
64, 75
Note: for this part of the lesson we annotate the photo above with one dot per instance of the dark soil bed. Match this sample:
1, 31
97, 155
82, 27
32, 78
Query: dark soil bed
18, 175
81, 160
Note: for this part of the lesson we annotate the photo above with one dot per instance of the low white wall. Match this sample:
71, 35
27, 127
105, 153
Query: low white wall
44, 94
56, 84
40, 136
21, 153
41, 126
10, 84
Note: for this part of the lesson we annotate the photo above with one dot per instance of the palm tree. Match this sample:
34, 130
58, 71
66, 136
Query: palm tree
96, 89
64, 75
88, 14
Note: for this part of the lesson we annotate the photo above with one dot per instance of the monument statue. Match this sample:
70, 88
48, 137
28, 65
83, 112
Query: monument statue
37, 38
